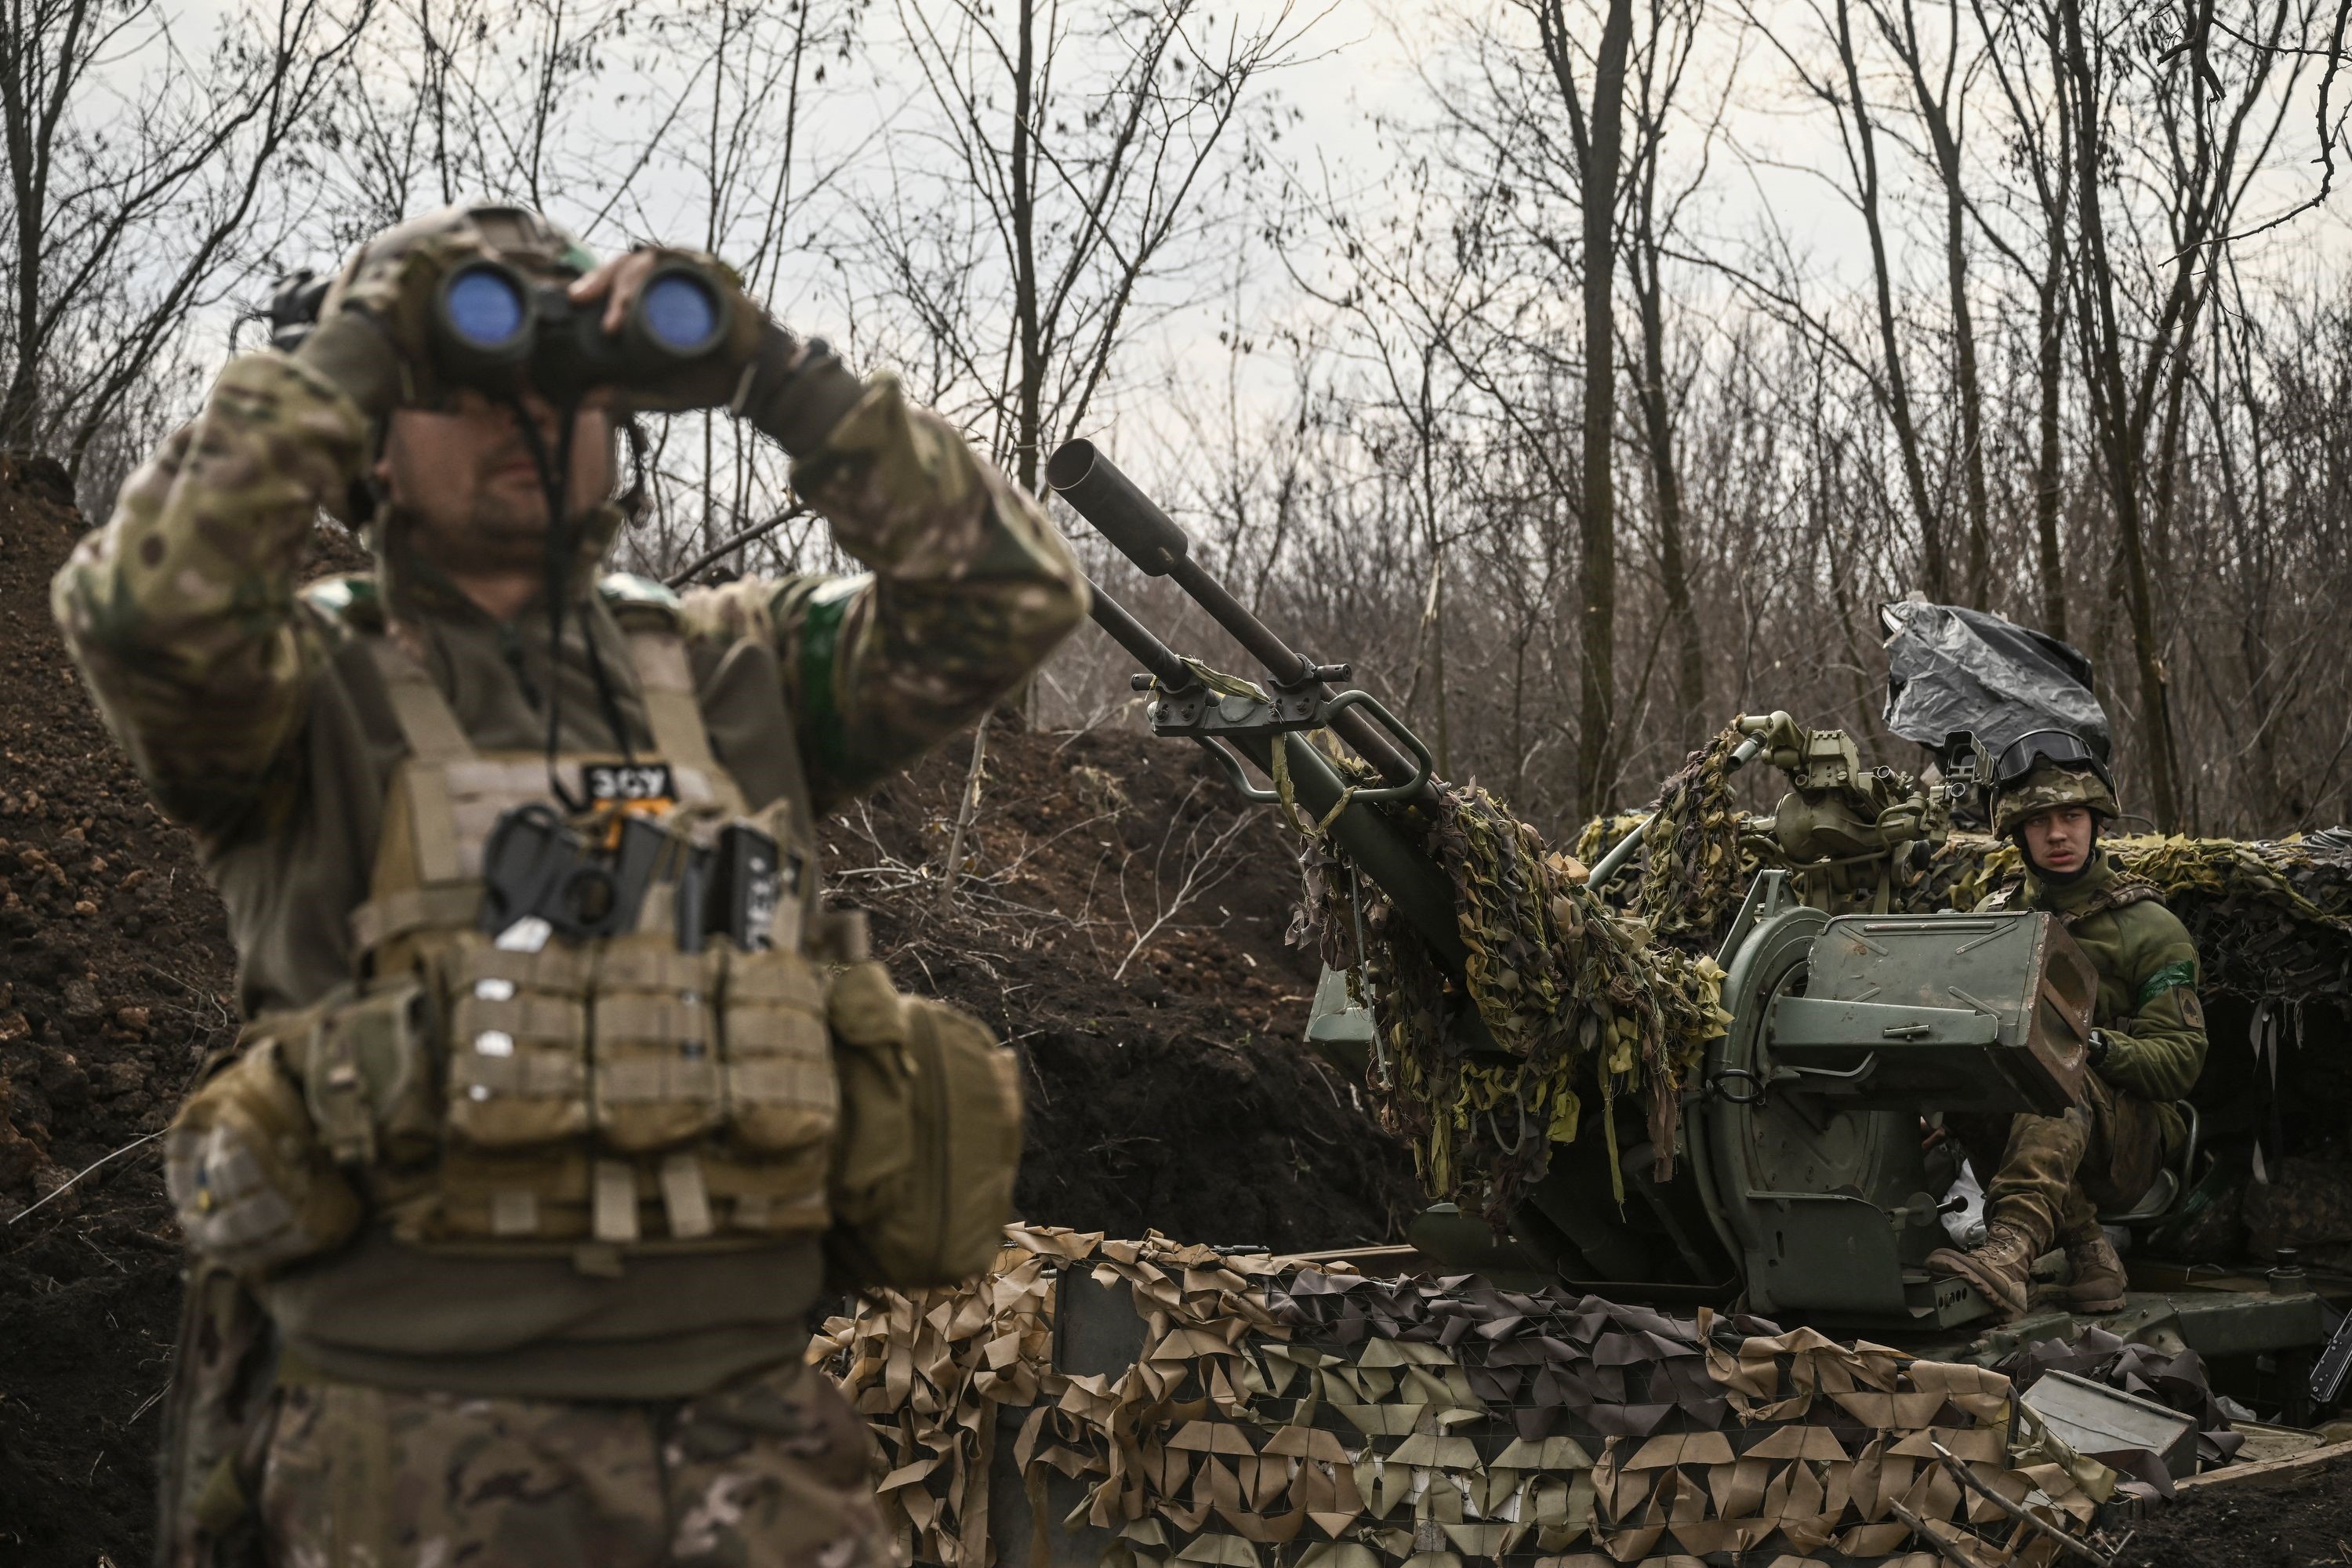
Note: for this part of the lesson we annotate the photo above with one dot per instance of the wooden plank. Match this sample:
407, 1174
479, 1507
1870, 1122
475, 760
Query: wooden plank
2264, 1468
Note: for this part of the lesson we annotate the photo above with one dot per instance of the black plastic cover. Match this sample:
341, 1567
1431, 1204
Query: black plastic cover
1949, 668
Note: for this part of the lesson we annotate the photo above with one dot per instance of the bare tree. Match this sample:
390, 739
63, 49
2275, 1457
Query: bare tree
2024, 50
1066, 199
1659, 69
2134, 312
1939, 108
1073, 161
135, 205
1600, 152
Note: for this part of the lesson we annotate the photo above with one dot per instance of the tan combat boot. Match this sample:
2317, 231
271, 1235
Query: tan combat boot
1997, 1265
2094, 1275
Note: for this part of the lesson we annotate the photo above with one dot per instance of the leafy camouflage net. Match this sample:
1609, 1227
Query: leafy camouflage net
2273, 918
1579, 999
1701, 852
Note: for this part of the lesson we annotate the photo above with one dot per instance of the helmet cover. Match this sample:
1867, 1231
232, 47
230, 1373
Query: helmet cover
2048, 786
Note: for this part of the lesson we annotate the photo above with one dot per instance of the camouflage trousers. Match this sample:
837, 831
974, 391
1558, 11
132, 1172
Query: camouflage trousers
773, 1472
2056, 1172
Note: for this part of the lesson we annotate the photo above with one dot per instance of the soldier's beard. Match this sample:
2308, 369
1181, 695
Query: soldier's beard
494, 539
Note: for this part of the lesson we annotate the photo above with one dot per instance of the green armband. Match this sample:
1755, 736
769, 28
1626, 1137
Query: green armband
2183, 973
820, 653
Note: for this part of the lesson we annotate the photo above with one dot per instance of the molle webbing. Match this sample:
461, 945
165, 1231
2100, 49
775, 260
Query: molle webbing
620, 1093
449, 795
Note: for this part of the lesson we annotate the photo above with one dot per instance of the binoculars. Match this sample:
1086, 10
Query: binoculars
496, 330
493, 329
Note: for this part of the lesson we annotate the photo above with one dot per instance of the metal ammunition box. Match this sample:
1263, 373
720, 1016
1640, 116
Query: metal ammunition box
1956, 1012
2108, 1424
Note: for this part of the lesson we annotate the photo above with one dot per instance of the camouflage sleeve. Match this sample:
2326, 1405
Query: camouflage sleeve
2159, 1050
181, 609
970, 587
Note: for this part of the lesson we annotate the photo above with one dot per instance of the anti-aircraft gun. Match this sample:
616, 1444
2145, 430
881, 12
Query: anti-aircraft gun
1806, 1188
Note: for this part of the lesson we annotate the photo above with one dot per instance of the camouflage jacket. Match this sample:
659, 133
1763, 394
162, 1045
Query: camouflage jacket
2147, 980
259, 717
248, 715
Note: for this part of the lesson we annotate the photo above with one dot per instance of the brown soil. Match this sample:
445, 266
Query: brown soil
116, 983
1172, 1099
2299, 1518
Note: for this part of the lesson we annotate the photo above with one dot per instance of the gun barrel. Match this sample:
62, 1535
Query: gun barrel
1164, 663
1131, 521
1420, 893
1106, 498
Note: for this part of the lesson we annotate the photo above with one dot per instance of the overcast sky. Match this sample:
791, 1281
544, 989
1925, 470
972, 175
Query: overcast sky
1365, 71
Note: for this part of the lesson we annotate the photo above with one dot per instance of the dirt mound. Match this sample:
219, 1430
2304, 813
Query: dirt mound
116, 983
1169, 1098
2284, 1518
1120, 919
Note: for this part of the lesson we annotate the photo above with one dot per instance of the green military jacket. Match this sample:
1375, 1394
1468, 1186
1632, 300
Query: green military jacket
2148, 975
258, 717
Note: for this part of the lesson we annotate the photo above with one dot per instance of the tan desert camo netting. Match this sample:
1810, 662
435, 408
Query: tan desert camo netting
1281, 1414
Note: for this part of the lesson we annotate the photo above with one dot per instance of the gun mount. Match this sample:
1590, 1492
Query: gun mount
1806, 1188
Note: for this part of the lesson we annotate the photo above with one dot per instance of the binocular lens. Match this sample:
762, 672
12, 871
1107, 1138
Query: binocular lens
485, 306
680, 312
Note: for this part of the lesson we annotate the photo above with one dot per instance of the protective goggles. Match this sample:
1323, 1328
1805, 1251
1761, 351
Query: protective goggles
2061, 748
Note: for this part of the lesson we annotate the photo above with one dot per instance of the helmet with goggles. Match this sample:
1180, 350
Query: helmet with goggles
2045, 769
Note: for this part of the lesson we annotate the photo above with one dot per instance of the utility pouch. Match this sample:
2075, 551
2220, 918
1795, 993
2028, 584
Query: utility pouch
767, 1176
515, 1042
369, 1075
656, 1075
930, 1137
780, 1094
254, 1188
216, 1421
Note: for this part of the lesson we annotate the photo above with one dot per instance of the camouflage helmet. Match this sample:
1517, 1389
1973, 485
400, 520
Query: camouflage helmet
516, 235
2050, 785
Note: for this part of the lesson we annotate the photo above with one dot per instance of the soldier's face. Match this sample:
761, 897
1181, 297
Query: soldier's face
2059, 839
466, 479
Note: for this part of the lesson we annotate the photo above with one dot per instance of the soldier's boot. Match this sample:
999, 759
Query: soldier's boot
1997, 1266
2094, 1275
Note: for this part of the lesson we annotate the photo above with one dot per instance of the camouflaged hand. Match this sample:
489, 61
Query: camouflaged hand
373, 339
791, 389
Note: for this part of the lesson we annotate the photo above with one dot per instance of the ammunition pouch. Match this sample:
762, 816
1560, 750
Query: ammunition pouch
621, 1091
930, 1140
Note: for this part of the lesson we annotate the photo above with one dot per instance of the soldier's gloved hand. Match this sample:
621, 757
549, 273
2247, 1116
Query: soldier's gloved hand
793, 390
374, 337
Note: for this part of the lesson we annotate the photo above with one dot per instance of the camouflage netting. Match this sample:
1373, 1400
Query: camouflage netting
1700, 852
2273, 918
1579, 998
1278, 1413
1613, 995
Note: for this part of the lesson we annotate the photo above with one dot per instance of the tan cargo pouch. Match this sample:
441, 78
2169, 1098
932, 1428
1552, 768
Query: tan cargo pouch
930, 1137
255, 1188
516, 1075
656, 1044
